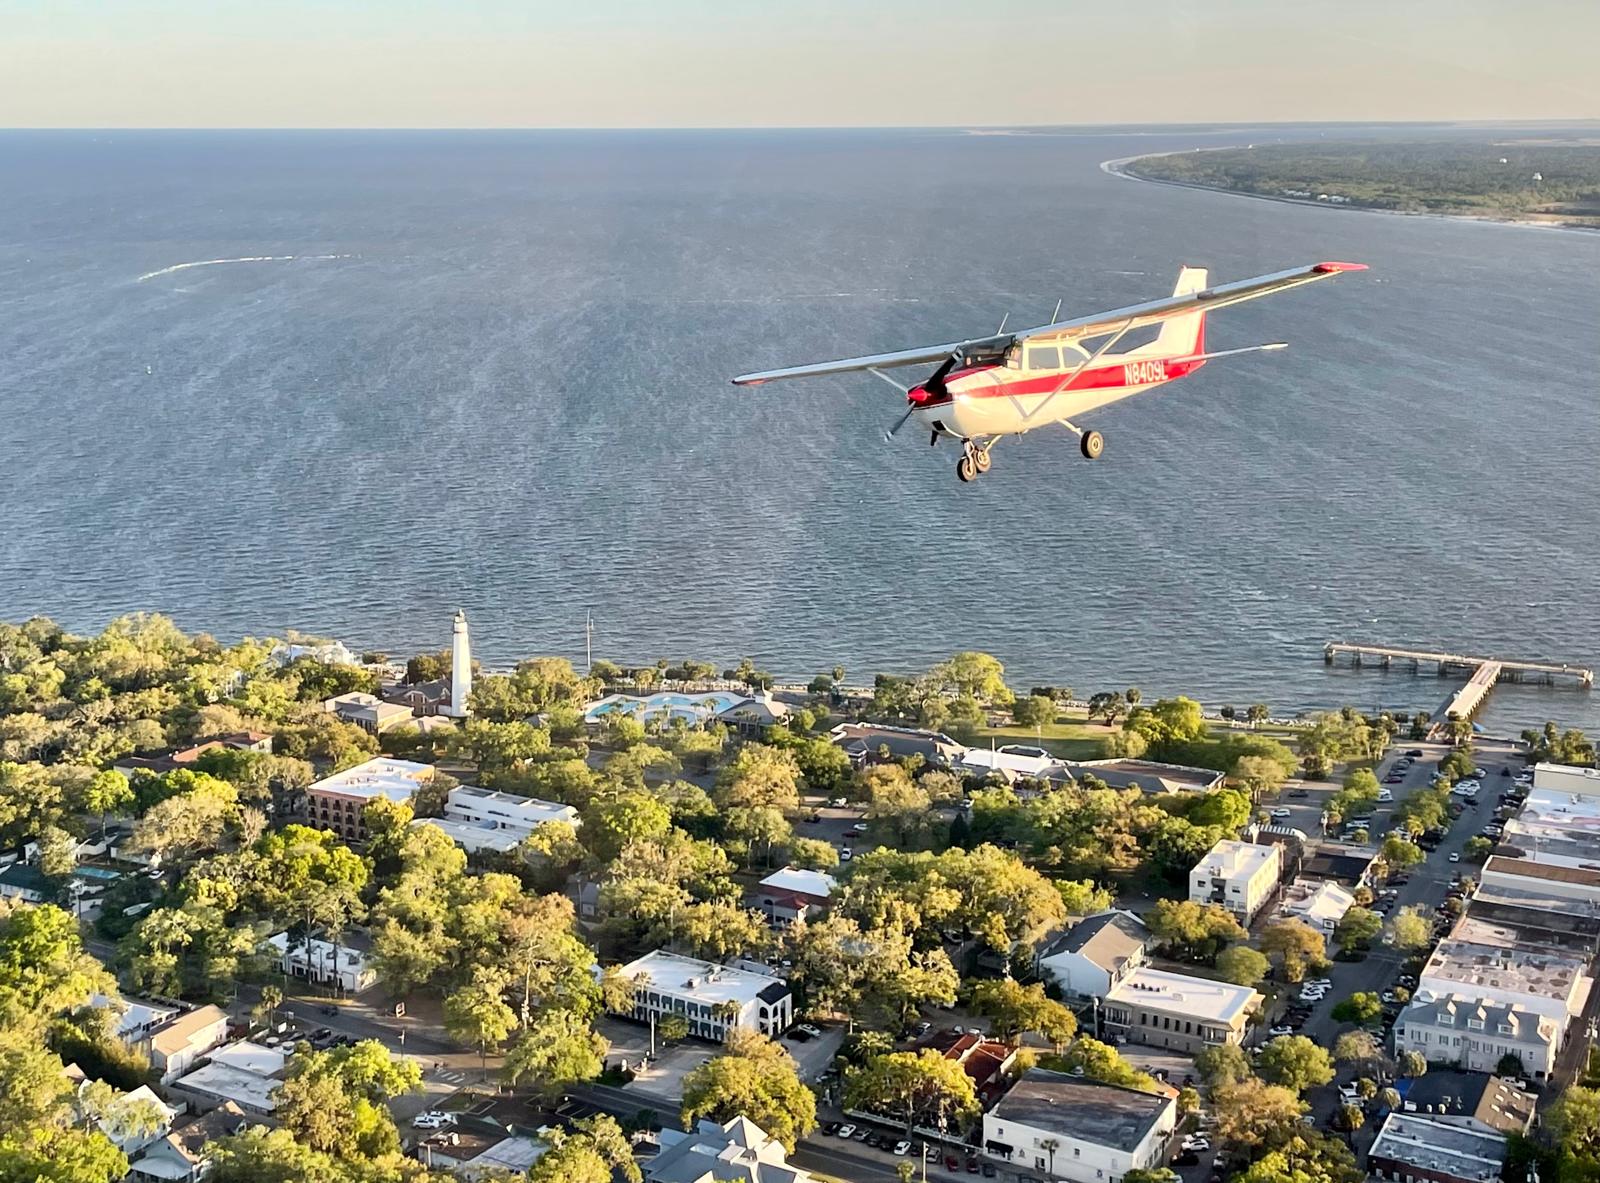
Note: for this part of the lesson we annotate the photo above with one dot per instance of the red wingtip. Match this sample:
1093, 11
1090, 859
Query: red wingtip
1327, 267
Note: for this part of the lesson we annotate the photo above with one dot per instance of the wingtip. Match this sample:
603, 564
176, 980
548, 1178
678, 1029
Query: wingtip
1326, 268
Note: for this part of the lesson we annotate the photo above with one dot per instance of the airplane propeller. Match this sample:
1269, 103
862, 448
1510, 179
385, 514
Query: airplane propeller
899, 423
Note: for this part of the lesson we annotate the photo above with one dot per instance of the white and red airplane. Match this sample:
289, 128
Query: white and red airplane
1009, 383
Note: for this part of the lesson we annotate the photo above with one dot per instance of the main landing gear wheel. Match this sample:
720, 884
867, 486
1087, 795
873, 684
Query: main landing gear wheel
981, 458
1093, 443
967, 468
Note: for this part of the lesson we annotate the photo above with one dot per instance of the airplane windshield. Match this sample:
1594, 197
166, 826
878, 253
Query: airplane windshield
1044, 357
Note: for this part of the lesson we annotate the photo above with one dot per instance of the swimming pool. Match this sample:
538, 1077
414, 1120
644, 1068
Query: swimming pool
693, 708
97, 873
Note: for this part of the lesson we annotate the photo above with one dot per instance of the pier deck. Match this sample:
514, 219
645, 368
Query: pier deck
1482, 674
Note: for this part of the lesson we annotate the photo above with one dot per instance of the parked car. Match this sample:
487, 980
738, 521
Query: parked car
1298, 794
952, 1163
846, 1131
1283, 811
831, 1128
809, 1031
1350, 1094
860, 827
1280, 1029
1455, 856
988, 1170
846, 854
972, 1166
902, 1147
432, 1119
1415, 753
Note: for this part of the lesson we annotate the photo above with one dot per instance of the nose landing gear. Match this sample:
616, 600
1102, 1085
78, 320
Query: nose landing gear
1092, 443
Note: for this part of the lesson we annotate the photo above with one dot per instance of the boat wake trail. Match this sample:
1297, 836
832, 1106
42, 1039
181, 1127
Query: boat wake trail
248, 259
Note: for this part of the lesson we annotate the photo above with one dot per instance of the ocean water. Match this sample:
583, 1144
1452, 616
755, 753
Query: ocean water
490, 370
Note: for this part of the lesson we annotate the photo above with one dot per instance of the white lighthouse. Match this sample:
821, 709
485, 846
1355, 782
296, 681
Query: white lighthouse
460, 667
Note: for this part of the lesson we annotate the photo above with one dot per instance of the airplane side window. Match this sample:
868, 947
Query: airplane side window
1044, 359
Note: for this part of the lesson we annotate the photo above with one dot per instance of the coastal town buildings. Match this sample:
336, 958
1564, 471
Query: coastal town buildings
344, 965
1187, 1014
1070, 1128
714, 1153
1321, 904
335, 802
1240, 876
483, 820
243, 1073
1411, 1148
182, 1040
367, 711
713, 998
793, 893
1096, 954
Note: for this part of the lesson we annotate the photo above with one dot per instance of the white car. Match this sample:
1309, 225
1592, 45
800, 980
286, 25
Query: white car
1327, 983
1196, 1144
808, 1029
860, 827
902, 1148
846, 854
432, 1119
1283, 811
846, 1131
1350, 1093
1455, 856
1478, 772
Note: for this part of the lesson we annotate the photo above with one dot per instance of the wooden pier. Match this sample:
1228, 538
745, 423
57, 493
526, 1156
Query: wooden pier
1482, 675
1445, 664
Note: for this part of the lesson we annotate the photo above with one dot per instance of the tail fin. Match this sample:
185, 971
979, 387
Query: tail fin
1184, 335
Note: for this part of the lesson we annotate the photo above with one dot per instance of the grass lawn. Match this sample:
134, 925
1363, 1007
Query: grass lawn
1067, 738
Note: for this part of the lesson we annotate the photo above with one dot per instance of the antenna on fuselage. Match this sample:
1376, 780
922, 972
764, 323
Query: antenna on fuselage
1054, 316
1002, 327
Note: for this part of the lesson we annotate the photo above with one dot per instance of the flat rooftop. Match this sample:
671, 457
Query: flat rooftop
1083, 1109
704, 981
1500, 864
1148, 775
524, 811
1566, 778
1197, 998
1484, 959
248, 1089
380, 777
1439, 1147
476, 835
1230, 857
798, 879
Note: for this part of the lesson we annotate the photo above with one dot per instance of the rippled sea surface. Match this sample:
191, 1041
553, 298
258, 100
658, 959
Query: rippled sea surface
494, 375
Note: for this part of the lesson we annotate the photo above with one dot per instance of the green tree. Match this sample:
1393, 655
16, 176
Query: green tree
556, 1051
1100, 1061
477, 1014
1362, 1008
1036, 710
106, 793
673, 1028
1197, 929
593, 1151
1357, 928
1242, 965
754, 1078
1294, 1062
1222, 1064
1411, 928
918, 1088
1293, 945
1398, 854
333, 1101
1253, 1113
1411, 1063
611, 823
1015, 1009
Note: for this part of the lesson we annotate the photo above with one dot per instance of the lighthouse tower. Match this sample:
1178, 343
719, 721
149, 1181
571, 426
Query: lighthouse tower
460, 668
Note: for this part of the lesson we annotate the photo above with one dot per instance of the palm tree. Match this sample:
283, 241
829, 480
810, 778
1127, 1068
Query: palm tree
271, 1000
1257, 714
1051, 1145
726, 1013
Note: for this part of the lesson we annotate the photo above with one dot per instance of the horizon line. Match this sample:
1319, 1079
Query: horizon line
1458, 121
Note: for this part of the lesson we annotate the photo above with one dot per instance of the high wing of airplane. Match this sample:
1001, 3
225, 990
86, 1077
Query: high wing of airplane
1008, 383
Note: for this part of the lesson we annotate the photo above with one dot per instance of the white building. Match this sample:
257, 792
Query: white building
1565, 778
711, 1153
179, 1042
122, 1122
480, 819
460, 667
244, 1073
1010, 767
711, 997
1070, 1128
344, 965
1475, 1034
1241, 876
335, 802
135, 1017
793, 893
1096, 954
183, 1155
1161, 1009
1484, 960
327, 652
1321, 904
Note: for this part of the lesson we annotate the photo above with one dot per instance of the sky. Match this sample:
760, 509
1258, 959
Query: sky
789, 63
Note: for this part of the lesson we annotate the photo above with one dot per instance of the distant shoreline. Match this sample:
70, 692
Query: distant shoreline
1119, 168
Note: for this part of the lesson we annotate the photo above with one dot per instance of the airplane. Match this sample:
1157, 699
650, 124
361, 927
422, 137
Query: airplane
986, 388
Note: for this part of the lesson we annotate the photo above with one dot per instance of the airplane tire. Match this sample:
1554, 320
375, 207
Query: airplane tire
1093, 443
966, 469
981, 458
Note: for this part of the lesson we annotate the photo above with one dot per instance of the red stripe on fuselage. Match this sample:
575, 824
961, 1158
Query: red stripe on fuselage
1138, 372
